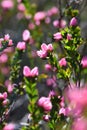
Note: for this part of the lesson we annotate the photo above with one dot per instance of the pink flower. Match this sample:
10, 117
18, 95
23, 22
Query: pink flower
45, 49
21, 45
62, 111
56, 23
5, 95
30, 73
47, 20
48, 67
73, 22
34, 72
54, 10
69, 37
57, 36
42, 54
79, 124
7, 4
21, 7
62, 62
3, 58
39, 16
26, 71
26, 35
9, 126
31, 26
6, 37
45, 103
5, 102
84, 62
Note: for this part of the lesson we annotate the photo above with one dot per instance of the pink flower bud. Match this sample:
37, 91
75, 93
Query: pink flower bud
45, 103
30, 73
73, 22
26, 35
57, 36
21, 45
62, 62
26, 71
34, 72
5, 102
5, 95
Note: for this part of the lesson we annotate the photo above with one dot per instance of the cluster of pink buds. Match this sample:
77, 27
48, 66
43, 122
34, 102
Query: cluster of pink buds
27, 72
45, 49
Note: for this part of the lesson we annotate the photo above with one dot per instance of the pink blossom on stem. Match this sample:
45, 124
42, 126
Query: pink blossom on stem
27, 72
73, 22
62, 111
62, 62
45, 103
57, 36
45, 49
21, 45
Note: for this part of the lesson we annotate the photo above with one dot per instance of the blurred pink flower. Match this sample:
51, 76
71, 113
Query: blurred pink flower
54, 10
6, 37
39, 16
57, 36
21, 45
3, 58
26, 35
79, 124
21, 7
9, 126
45, 103
62, 62
63, 111
48, 67
84, 62
31, 26
7, 4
